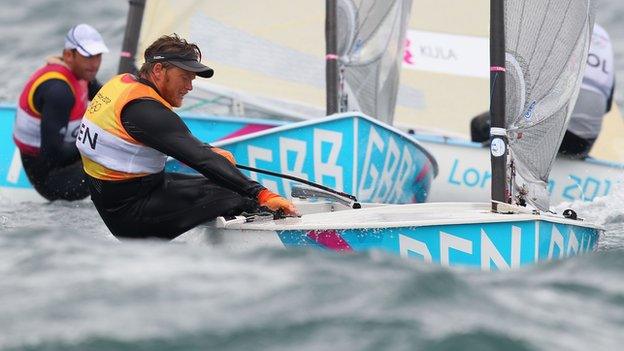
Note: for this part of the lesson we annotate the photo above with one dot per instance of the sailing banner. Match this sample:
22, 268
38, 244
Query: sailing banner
460, 55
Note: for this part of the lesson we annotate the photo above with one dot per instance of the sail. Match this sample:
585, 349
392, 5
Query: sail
266, 56
444, 75
270, 60
371, 38
546, 45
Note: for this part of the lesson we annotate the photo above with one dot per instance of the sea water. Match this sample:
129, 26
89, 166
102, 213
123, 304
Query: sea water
67, 284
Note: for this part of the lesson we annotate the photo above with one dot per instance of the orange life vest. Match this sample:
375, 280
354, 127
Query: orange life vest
108, 151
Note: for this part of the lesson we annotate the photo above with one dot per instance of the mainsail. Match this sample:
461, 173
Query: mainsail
546, 45
371, 38
444, 74
269, 59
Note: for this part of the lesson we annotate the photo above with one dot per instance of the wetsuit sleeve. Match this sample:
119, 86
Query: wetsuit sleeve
54, 99
94, 87
158, 127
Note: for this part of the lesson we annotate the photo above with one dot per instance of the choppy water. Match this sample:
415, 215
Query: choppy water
66, 284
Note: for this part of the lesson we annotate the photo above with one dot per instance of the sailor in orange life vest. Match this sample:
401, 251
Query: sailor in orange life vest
49, 112
126, 135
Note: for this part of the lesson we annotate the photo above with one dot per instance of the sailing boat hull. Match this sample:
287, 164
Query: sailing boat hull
463, 166
450, 234
465, 173
14, 185
349, 152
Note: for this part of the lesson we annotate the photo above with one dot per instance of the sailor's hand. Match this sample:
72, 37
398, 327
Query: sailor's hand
228, 155
275, 202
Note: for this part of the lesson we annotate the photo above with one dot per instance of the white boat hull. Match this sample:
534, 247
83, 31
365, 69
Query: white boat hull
464, 174
450, 234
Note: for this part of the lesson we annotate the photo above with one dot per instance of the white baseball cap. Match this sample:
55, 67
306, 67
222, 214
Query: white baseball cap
86, 40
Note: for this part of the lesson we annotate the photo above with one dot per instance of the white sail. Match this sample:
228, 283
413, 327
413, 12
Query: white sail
269, 58
371, 37
444, 76
445, 69
546, 45
264, 53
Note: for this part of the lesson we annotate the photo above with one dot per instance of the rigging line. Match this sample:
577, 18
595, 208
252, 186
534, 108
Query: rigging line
492, 89
297, 179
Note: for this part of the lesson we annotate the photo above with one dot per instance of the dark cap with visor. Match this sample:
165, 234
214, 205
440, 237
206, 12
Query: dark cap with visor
187, 63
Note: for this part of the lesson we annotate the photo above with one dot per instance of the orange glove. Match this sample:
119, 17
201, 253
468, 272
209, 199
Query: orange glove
275, 202
228, 155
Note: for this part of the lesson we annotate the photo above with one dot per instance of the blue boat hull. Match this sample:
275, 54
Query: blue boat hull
486, 246
450, 234
353, 154
350, 153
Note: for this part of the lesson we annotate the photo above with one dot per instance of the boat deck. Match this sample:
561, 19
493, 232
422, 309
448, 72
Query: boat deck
385, 216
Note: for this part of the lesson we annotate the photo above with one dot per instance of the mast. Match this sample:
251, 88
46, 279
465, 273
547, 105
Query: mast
331, 57
498, 137
131, 36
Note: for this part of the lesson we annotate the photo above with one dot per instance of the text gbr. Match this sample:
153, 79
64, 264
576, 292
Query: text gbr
386, 176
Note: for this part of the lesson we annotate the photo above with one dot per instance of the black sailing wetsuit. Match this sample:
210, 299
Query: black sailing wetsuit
165, 205
56, 173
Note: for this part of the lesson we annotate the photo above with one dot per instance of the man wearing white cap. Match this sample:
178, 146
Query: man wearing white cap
48, 115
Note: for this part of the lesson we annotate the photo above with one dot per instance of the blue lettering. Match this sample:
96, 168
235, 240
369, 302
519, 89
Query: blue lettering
452, 174
487, 177
588, 182
471, 177
570, 188
588, 188
608, 187
551, 186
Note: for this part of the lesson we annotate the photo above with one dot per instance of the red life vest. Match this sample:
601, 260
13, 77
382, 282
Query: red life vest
27, 129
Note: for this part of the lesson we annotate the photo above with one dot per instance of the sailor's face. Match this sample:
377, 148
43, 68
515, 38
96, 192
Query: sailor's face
83, 67
177, 83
